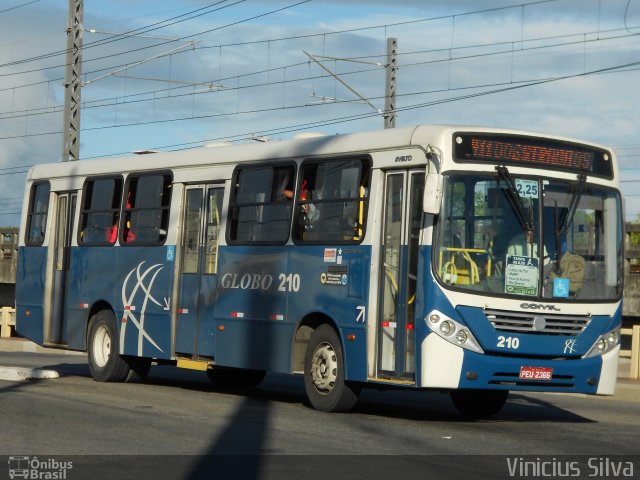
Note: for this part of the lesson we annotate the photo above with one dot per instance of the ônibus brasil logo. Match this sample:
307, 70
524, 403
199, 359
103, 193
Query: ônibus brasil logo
36, 469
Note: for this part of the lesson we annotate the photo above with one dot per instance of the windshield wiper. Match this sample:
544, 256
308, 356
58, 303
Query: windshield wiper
515, 200
573, 205
563, 226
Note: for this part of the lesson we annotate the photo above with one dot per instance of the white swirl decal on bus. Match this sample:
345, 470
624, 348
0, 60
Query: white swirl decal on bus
130, 307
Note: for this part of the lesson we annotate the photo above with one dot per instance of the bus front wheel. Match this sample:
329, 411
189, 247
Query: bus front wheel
105, 364
324, 376
476, 404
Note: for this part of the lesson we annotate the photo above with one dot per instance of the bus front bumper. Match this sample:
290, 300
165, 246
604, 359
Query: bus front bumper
445, 365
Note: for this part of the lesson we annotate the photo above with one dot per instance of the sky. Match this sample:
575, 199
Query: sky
242, 69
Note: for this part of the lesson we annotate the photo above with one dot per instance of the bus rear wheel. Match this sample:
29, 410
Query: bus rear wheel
476, 404
105, 364
324, 376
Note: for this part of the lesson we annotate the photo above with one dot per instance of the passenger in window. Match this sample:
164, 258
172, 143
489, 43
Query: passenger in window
129, 235
310, 209
283, 185
111, 233
308, 214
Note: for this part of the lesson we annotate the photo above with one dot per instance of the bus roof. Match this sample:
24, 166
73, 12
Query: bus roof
351, 143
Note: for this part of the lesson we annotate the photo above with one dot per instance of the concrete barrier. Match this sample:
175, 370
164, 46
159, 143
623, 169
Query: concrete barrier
7, 321
634, 352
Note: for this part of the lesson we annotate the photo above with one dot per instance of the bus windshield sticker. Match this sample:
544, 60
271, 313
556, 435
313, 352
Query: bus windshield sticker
561, 287
521, 275
171, 253
527, 188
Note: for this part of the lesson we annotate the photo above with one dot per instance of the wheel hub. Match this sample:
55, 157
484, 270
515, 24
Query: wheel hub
101, 346
324, 368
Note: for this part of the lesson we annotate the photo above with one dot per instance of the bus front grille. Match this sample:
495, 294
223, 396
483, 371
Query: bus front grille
537, 323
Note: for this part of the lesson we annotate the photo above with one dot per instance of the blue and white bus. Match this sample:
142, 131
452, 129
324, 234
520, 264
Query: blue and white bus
474, 260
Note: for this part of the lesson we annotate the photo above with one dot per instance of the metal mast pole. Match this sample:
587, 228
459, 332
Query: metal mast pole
390, 88
72, 83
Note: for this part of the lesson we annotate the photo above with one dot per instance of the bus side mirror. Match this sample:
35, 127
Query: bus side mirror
432, 193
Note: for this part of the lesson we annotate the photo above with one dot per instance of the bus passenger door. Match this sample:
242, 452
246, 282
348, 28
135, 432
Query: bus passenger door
65, 213
401, 227
198, 271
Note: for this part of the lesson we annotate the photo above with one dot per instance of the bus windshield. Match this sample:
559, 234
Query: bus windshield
491, 225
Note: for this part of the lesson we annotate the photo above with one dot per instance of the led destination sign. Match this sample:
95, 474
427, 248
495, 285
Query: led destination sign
519, 150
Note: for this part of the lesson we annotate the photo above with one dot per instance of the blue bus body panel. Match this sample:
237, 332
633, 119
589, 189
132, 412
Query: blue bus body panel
206, 340
137, 290
263, 293
336, 283
248, 335
30, 282
91, 278
187, 312
569, 376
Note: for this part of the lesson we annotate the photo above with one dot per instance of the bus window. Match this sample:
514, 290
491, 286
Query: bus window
332, 203
212, 230
261, 204
191, 250
146, 212
37, 216
100, 211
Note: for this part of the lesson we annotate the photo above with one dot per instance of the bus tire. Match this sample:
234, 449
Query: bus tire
105, 364
476, 404
324, 376
229, 377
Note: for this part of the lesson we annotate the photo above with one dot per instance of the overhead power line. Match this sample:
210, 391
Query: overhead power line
19, 6
350, 118
152, 95
139, 49
296, 37
121, 36
509, 87
498, 87
598, 34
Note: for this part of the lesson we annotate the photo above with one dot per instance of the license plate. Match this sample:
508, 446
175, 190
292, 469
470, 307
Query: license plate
536, 373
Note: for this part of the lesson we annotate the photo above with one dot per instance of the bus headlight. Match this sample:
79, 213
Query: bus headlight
447, 327
452, 331
462, 336
605, 343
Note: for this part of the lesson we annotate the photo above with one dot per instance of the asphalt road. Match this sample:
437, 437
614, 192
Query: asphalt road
176, 425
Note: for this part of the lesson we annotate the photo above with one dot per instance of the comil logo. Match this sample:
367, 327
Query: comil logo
36, 469
539, 306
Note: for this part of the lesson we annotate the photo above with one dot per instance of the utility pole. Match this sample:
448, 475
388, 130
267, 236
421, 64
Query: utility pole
72, 83
391, 67
390, 87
